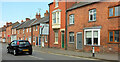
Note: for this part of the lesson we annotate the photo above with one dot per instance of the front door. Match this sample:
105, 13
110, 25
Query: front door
62, 39
36, 40
79, 41
39, 41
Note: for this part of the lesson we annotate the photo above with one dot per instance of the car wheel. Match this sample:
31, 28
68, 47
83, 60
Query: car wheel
8, 51
14, 53
30, 53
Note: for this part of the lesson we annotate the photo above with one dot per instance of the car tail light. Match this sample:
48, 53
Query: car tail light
18, 43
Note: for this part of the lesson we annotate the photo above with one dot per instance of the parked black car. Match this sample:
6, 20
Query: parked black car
19, 46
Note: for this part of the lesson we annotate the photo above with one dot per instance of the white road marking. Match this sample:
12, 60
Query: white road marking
66, 55
36, 57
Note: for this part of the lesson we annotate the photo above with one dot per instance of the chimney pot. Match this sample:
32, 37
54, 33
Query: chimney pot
38, 16
21, 21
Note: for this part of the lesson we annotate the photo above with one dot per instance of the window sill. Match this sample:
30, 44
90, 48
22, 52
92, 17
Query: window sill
113, 42
71, 42
71, 24
92, 45
56, 43
113, 17
91, 21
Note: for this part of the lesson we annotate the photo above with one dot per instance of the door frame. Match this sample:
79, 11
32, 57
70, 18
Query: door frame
61, 38
76, 38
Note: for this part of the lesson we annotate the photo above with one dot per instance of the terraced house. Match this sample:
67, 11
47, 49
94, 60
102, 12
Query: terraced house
24, 31
40, 30
57, 23
0, 34
9, 30
4, 34
94, 24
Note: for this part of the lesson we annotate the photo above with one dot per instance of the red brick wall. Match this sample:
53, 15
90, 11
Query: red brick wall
81, 21
20, 35
62, 7
8, 32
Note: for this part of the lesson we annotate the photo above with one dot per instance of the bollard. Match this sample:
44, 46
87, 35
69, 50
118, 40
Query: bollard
93, 51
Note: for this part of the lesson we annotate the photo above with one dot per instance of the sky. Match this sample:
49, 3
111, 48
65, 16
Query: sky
17, 11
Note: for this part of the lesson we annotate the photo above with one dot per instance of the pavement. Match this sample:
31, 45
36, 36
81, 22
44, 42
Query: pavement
99, 56
39, 55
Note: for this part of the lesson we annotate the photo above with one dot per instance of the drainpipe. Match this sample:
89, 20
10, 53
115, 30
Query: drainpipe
66, 26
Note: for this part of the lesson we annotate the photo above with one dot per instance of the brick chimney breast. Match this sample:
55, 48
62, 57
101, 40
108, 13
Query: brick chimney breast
46, 14
21, 21
27, 19
38, 16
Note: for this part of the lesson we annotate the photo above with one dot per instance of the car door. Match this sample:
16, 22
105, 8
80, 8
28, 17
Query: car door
13, 45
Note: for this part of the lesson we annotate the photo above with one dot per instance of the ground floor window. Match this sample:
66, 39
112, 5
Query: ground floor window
92, 37
114, 36
46, 39
71, 37
56, 36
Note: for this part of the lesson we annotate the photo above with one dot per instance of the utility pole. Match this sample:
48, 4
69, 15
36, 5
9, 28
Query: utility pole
39, 9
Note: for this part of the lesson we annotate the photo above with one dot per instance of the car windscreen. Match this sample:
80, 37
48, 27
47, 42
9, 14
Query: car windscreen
24, 43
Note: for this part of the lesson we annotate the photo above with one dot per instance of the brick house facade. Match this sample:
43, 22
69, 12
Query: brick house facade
4, 33
57, 23
102, 31
38, 39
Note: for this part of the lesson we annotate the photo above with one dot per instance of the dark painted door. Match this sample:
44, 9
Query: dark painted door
79, 41
62, 39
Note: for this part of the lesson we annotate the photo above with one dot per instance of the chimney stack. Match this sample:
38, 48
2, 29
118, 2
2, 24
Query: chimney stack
46, 14
27, 19
21, 21
7, 24
4, 25
38, 16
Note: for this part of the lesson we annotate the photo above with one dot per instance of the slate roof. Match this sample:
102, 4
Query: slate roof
18, 25
4, 29
27, 24
42, 20
81, 4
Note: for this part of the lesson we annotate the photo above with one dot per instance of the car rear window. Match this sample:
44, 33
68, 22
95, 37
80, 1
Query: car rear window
24, 43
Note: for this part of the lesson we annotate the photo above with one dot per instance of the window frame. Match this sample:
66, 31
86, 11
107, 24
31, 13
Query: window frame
73, 37
113, 36
92, 30
57, 21
113, 11
71, 16
56, 3
92, 14
56, 42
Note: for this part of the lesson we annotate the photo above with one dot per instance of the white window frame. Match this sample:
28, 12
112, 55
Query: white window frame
36, 28
46, 39
29, 29
56, 3
57, 21
23, 31
92, 14
71, 19
92, 36
56, 42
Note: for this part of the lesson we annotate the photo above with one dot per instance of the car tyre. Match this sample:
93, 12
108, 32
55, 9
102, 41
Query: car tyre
8, 51
30, 52
14, 53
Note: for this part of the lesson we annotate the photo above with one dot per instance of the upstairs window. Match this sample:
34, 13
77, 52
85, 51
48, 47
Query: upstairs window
114, 11
29, 29
56, 3
23, 31
36, 27
71, 17
114, 36
92, 15
56, 18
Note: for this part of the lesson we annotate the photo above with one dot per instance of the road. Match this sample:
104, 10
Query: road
41, 56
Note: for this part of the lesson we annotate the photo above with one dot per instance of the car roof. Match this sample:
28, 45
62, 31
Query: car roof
20, 40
